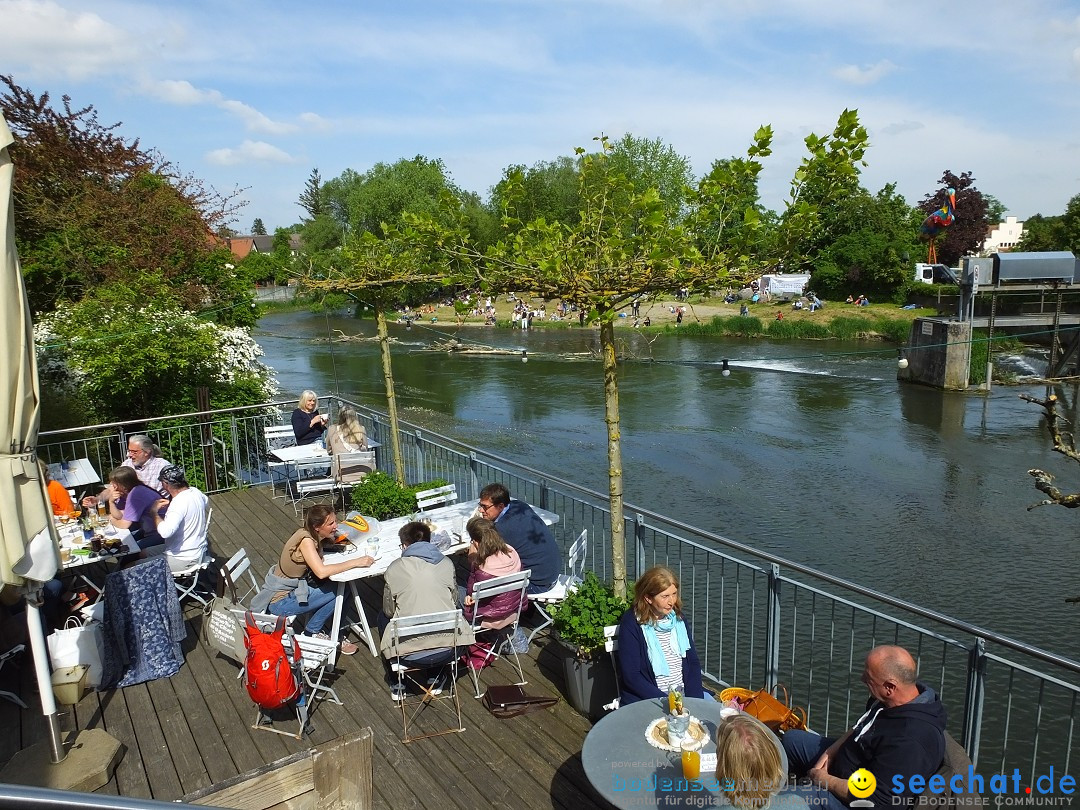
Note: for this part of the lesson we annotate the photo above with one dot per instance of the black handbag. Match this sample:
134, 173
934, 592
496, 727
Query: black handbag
511, 701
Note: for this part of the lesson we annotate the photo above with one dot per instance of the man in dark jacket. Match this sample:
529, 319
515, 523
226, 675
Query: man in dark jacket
901, 734
526, 531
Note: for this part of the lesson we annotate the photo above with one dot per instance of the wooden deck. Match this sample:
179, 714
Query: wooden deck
194, 729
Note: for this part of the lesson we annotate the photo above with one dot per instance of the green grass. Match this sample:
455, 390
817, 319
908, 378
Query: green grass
845, 328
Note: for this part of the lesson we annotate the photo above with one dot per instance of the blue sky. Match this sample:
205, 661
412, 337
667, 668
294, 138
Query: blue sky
256, 94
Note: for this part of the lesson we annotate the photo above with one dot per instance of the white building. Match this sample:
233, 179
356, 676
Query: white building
1003, 236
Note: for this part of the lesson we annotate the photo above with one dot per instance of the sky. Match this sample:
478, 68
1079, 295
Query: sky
255, 95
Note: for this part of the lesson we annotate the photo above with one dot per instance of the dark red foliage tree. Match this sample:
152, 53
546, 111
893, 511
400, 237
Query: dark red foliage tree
969, 231
92, 207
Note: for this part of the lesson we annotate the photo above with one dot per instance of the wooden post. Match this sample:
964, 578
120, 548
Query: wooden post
202, 400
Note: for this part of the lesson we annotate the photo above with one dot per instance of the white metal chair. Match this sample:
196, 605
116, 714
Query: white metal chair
312, 486
566, 583
4, 693
611, 644
232, 578
350, 468
491, 634
277, 437
439, 496
449, 635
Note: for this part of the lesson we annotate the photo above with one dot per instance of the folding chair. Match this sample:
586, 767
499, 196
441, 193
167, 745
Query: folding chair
566, 583
276, 437
231, 577
439, 496
611, 644
447, 638
319, 484
495, 632
4, 693
350, 468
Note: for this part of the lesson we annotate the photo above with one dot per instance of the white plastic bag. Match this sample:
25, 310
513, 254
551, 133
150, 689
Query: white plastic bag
78, 644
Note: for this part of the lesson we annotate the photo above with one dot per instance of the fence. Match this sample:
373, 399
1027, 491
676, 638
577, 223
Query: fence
758, 619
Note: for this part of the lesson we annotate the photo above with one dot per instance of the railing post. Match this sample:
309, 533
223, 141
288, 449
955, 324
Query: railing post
421, 469
474, 476
233, 428
639, 545
772, 632
544, 495
974, 699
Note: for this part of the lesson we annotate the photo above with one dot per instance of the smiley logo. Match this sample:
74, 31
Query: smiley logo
861, 783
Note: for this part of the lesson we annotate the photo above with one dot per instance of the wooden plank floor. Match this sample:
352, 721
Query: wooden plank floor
194, 729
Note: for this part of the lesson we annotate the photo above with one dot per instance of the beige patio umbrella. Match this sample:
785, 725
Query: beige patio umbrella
28, 544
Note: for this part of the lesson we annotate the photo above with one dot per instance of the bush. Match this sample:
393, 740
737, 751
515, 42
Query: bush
380, 496
580, 619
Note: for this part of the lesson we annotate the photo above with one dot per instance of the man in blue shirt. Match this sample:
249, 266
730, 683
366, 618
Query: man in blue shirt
526, 531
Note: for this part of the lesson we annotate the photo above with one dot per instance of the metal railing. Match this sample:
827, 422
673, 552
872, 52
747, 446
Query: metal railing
758, 619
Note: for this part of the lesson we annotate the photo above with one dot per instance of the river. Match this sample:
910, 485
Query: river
812, 451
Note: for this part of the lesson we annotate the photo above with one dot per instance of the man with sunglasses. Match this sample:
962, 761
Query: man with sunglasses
526, 531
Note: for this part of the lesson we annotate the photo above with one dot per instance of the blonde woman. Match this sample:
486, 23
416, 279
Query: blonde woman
656, 650
347, 435
751, 767
307, 423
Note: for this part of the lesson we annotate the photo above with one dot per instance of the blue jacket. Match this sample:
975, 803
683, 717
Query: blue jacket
637, 681
526, 531
302, 429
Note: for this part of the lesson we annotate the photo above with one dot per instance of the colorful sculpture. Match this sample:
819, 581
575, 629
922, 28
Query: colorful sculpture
938, 221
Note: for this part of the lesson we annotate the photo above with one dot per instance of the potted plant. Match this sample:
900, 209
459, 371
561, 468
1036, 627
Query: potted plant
580, 620
379, 496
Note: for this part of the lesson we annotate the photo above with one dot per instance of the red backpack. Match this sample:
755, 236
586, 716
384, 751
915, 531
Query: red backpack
268, 675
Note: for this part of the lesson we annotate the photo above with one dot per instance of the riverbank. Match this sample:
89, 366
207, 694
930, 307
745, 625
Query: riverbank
886, 321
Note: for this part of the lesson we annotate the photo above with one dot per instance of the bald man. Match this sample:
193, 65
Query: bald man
902, 733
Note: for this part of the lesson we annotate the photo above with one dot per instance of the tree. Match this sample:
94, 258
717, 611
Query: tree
653, 164
1042, 233
968, 231
549, 191
622, 245
94, 208
387, 191
257, 227
311, 199
151, 360
995, 210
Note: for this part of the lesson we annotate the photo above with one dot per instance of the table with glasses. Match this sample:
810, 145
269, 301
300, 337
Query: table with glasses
629, 772
76, 473
77, 556
299, 456
383, 544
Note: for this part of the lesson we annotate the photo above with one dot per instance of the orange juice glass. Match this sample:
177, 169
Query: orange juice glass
691, 760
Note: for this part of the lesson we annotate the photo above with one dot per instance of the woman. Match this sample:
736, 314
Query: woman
489, 557
348, 436
751, 766
307, 423
58, 496
656, 650
297, 584
133, 505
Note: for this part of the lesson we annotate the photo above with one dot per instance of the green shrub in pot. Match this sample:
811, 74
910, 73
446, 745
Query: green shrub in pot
580, 619
379, 496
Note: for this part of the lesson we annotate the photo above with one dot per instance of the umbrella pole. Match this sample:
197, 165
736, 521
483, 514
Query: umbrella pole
41, 670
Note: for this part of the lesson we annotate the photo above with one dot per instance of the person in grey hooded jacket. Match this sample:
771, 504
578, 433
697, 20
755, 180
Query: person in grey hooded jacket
422, 581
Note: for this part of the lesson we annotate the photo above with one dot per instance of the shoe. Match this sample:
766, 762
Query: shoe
397, 692
347, 647
435, 685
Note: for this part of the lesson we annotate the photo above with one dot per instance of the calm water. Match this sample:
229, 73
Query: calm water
812, 451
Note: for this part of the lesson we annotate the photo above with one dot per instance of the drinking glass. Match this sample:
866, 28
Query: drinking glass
677, 726
691, 760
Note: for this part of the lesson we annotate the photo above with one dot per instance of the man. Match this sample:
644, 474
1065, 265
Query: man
526, 531
421, 581
902, 733
184, 525
133, 505
144, 457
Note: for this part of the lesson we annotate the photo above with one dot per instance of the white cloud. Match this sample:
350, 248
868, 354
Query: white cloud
853, 74
49, 40
249, 152
183, 93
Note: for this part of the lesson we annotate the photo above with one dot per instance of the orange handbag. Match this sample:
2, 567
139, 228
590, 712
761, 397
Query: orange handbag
762, 704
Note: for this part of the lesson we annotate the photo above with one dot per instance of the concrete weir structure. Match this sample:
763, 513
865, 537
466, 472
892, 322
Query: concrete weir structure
938, 354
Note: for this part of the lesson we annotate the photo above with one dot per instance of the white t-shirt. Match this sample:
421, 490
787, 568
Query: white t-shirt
184, 528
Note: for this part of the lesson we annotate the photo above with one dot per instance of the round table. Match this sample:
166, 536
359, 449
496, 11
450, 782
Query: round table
630, 773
